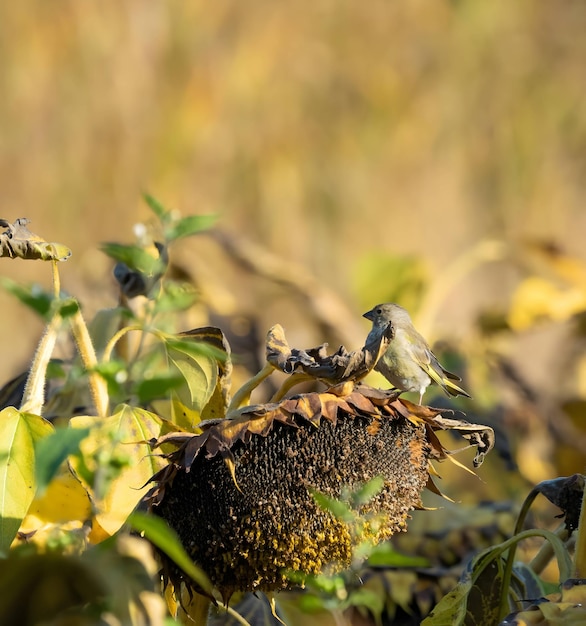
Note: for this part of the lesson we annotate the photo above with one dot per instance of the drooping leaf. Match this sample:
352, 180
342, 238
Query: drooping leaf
52, 451
118, 460
19, 433
19, 242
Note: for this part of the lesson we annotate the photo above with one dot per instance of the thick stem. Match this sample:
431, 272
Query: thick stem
85, 347
33, 397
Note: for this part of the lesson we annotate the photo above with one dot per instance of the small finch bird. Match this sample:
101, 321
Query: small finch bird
408, 363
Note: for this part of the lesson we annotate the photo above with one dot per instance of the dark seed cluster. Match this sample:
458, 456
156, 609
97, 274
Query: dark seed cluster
248, 536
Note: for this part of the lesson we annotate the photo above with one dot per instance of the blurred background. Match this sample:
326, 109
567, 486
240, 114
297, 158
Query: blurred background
431, 154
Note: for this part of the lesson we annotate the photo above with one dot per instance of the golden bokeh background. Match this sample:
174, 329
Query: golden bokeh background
432, 153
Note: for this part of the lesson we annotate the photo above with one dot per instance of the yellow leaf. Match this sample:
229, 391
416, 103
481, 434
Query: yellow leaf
118, 446
18, 434
537, 298
65, 505
65, 500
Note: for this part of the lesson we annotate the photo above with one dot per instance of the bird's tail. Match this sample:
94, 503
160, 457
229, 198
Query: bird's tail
452, 389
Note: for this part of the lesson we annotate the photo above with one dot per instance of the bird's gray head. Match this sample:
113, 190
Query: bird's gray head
381, 314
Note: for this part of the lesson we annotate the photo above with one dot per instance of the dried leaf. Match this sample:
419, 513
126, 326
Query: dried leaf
219, 436
18, 241
334, 369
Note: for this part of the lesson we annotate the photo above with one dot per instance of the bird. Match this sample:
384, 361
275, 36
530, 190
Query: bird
408, 363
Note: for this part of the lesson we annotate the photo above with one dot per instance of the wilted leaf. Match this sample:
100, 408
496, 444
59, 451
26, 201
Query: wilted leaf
315, 362
118, 444
19, 433
567, 494
19, 241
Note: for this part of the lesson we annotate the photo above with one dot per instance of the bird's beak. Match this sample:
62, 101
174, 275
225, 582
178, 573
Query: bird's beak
369, 315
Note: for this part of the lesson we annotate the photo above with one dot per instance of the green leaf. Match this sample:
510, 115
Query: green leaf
483, 581
134, 257
19, 433
157, 208
340, 510
366, 492
33, 296
175, 297
116, 460
190, 225
384, 555
52, 451
157, 531
157, 387
114, 373
67, 307
199, 370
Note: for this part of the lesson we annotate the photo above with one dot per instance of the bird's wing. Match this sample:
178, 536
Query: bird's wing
440, 368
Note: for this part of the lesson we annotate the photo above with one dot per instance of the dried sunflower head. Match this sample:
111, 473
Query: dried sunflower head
239, 495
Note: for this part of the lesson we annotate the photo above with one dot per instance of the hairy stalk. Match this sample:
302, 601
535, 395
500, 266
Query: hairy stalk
33, 397
85, 347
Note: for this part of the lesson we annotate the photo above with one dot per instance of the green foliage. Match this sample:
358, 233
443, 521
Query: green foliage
176, 227
52, 451
157, 531
19, 432
33, 297
109, 453
73, 490
134, 257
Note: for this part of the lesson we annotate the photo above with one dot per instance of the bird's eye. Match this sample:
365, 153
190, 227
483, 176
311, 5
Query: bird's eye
379, 311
